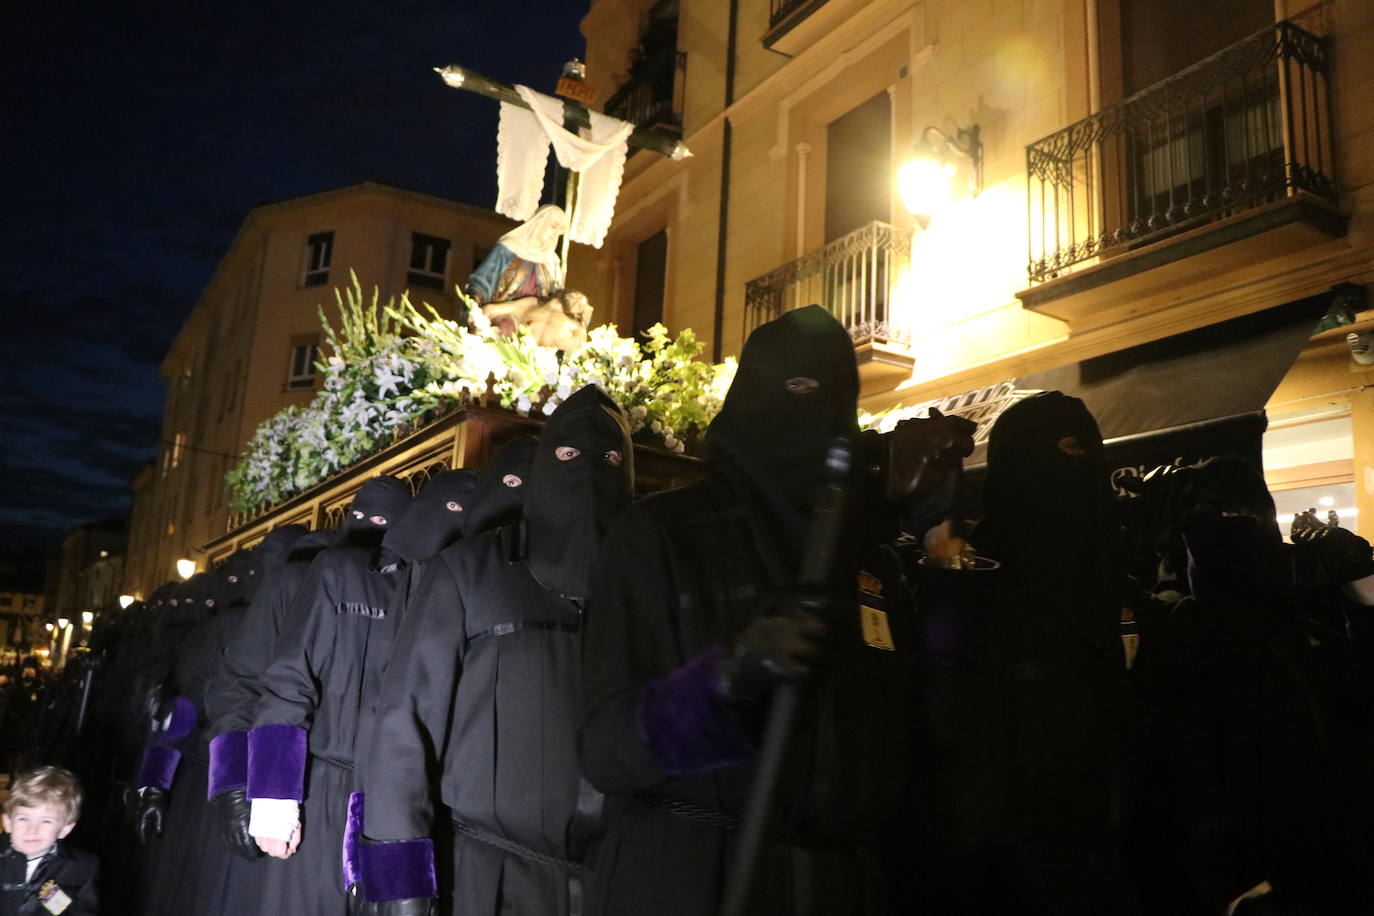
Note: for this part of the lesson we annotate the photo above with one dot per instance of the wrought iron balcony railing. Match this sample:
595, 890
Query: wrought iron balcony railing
853, 278
651, 97
780, 10
1244, 127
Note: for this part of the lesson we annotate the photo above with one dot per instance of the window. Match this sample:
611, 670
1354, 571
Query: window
301, 373
428, 261
858, 171
651, 265
319, 251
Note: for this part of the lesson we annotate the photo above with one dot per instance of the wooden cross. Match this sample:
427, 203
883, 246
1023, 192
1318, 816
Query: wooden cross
655, 139
575, 117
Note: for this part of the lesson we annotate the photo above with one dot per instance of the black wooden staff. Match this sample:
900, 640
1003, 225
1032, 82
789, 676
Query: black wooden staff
818, 561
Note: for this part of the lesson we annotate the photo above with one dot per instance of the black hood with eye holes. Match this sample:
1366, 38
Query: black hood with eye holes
1049, 516
240, 576
499, 497
190, 605
384, 496
775, 437
432, 522
569, 505
1036, 493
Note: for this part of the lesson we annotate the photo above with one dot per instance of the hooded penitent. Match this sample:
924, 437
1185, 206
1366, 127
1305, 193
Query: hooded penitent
435, 517
187, 606
157, 604
795, 392
240, 575
303, 550
583, 477
380, 501
1048, 508
275, 547
500, 494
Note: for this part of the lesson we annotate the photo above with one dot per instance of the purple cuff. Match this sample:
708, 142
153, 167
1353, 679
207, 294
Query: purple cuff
159, 767
353, 832
180, 717
686, 723
400, 870
276, 762
228, 763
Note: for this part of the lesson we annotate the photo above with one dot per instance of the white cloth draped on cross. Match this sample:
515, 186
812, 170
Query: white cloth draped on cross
522, 152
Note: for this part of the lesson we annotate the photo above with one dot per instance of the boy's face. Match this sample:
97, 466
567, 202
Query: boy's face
33, 831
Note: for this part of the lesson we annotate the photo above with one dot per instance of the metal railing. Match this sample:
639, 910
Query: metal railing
852, 278
1244, 127
778, 10
651, 96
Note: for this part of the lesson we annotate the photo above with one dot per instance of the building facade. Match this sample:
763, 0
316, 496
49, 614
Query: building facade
249, 347
1162, 192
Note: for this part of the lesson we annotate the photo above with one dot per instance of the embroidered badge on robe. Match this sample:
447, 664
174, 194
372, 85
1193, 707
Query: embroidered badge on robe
869, 585
876, 632
53, 898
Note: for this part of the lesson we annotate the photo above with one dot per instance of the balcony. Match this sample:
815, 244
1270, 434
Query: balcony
795, 25
1226, 164
652, 96
854, 278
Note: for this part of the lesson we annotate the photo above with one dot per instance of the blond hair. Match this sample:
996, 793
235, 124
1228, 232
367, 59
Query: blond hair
46, 786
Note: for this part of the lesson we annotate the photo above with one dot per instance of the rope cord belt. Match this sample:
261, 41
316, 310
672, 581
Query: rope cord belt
517, 849
693, 812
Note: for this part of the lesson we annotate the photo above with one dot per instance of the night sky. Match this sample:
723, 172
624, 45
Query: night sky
137, 137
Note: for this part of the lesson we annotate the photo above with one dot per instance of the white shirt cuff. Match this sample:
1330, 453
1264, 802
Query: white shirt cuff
274, 818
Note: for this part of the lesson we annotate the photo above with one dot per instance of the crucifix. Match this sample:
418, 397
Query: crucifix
576, 94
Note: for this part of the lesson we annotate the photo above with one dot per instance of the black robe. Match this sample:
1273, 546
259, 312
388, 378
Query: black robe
232, 697
73, 869
681, 573
332, 650
482, 695
189, 861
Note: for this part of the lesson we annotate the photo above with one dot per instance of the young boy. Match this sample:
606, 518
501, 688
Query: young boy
38, 874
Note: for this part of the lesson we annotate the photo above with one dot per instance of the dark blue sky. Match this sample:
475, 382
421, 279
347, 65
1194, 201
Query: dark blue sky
137, 137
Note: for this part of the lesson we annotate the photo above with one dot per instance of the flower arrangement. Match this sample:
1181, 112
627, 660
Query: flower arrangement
389, 365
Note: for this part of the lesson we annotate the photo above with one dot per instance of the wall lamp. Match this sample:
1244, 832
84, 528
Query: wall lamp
925, 182
126, 600
186, 568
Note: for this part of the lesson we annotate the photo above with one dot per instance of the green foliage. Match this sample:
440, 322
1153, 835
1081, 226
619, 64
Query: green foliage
388, 365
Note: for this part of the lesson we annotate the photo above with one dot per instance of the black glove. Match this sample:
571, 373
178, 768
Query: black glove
151, 813
788, 646
1341, 555
231, 812
410, 906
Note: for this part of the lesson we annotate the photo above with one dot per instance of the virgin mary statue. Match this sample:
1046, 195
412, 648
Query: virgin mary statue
521, 283
524, 262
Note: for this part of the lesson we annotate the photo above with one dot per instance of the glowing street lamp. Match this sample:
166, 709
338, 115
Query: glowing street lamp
49, 627
87, 618
186, 568
925, 182
63, 623
126, 600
